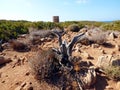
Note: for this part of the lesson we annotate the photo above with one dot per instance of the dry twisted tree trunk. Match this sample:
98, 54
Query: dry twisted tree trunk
65, 49
56, 66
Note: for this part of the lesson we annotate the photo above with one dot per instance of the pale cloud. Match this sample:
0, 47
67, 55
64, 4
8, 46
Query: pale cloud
81, 1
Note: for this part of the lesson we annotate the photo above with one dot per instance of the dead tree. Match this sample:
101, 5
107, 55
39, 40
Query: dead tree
65, 59
65, 50
56, 66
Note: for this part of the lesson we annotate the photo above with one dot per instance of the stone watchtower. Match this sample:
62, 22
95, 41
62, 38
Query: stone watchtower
56, 19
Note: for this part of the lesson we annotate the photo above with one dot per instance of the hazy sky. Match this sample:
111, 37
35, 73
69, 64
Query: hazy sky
67, 10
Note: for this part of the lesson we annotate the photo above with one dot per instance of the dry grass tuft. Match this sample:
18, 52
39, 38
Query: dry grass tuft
98, 37
45, 66
19, 46
113, 72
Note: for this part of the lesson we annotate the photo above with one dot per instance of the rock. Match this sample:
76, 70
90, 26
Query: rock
2, 54
30, 88
95, 46
107, 60
4, 60
6, 46
77, 48
18, 88
86, 55
85, 64
116, 62
119, 36
27, 73
113, 52
104, 60
111, 36
42, 39
3, 81
49, 39
100, 48
117, 47
23, 84
109, 87
83, 30
90, 77
118, 86
103, 51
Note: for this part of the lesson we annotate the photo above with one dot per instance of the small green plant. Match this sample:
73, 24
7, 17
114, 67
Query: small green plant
113, 72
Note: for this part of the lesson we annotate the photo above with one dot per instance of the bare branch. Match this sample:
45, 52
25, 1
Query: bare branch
59, 36
62, 44
1, 41
63, 48
74, 40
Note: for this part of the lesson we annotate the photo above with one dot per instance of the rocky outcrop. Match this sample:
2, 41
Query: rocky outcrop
118, 86
4, 60
111, 36
107, 60
117, 47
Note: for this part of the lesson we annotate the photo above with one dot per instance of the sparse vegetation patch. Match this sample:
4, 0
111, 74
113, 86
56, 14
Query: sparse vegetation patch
113, 72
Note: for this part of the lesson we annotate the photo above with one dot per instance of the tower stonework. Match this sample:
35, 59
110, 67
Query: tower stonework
56, 19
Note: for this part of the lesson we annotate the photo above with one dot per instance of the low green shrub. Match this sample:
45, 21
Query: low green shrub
73, 28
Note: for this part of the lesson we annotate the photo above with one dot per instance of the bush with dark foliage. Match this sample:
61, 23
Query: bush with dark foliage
73, 28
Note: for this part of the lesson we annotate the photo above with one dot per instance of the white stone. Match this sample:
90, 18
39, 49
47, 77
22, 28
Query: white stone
117, 47
118, 86
86, 55
111, 36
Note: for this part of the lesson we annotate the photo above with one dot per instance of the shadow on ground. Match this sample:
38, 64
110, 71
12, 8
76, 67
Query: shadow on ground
101, 82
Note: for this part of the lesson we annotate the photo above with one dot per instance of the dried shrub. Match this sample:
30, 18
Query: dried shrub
98, 37
73, 28
45, 66
85, 41
38, 36
113, 72
19, 46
